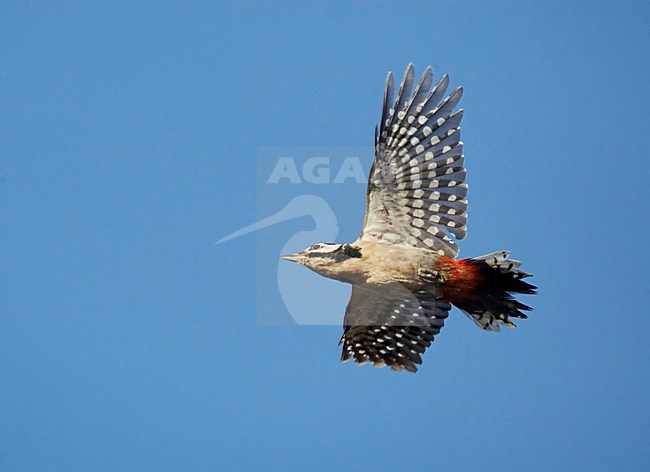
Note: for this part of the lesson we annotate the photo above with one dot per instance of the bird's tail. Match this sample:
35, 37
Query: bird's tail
491, 302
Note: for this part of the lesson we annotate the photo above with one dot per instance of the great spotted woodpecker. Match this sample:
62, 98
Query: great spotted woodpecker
403, 267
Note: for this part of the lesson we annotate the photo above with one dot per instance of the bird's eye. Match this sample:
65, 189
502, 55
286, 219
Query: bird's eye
316, 246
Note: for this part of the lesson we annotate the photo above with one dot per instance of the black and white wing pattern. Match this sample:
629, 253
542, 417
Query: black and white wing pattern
391, 328
416, 188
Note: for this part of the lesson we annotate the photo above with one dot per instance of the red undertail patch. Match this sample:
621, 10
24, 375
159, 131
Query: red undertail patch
461, 280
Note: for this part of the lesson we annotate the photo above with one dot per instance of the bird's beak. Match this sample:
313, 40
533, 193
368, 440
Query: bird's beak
292, 257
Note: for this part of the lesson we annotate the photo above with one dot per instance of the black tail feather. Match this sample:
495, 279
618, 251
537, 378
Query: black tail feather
494, 303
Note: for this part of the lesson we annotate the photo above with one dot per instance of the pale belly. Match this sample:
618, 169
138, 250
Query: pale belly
386, 264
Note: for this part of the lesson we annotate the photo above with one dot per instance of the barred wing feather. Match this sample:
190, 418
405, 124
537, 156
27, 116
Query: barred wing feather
391, 327
416, 188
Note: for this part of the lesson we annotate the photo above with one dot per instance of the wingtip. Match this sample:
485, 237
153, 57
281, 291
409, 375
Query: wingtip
410, 366
409, 73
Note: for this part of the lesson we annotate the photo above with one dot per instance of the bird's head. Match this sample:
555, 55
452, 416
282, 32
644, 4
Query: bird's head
325, 258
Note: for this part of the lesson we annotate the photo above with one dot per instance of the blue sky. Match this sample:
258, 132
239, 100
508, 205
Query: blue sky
128, 143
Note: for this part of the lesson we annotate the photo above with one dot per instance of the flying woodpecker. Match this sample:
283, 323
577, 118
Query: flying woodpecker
403, 268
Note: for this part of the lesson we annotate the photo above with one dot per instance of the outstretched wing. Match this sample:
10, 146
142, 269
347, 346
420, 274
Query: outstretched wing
416, 188
391, 327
